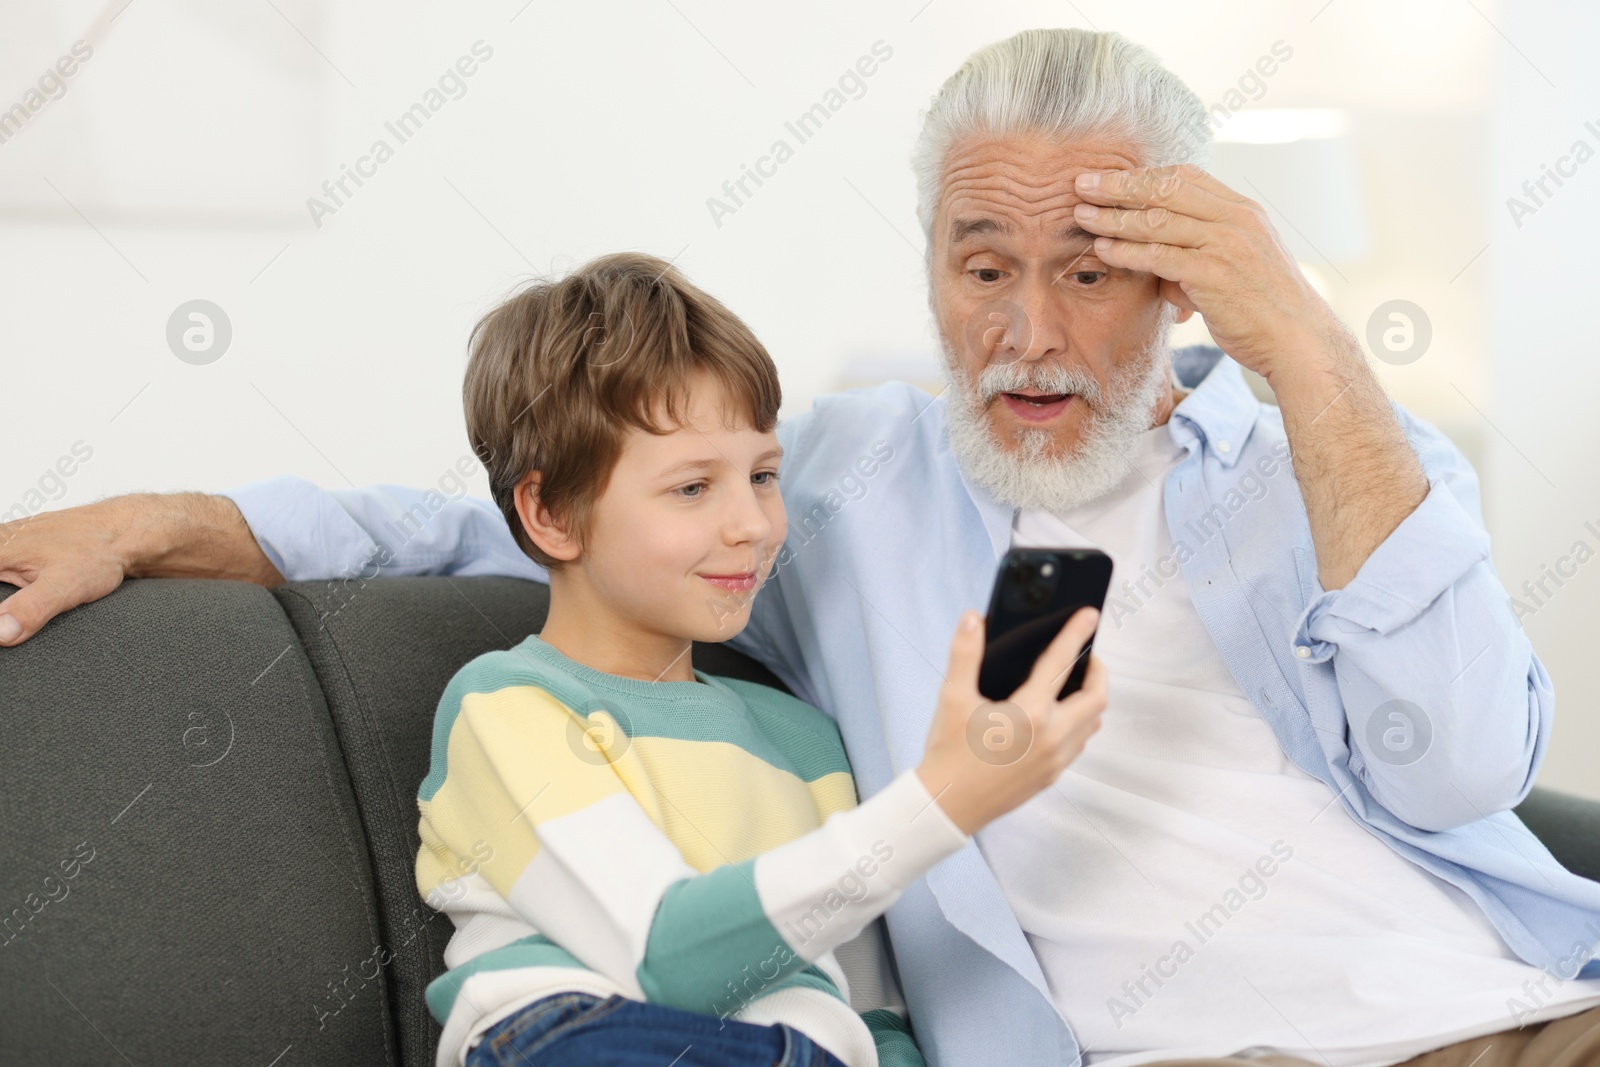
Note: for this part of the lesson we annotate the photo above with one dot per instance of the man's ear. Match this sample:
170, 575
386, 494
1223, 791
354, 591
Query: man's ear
1173, 294
549, 534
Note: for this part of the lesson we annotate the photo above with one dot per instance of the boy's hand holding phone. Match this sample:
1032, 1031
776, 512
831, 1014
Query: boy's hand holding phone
984, 757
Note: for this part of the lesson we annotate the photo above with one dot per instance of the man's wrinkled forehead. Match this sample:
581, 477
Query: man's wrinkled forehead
999, 188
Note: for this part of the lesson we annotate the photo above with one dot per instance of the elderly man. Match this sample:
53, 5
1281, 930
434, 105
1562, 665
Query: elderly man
1291, 838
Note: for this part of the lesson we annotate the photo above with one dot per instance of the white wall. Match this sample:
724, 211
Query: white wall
1539, 287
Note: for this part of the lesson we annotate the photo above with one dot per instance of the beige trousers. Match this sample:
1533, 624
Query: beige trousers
1571, 1041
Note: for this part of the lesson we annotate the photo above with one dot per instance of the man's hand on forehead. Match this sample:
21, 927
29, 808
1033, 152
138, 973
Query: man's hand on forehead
1216, 253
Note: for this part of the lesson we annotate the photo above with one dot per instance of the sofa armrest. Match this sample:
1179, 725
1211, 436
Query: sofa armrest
1569, 826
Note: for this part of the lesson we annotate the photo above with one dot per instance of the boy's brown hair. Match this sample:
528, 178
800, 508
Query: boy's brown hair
561, 372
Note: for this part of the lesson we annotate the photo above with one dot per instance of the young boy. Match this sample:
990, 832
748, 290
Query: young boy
645, 863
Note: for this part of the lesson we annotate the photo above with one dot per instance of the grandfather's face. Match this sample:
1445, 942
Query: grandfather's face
1057, 361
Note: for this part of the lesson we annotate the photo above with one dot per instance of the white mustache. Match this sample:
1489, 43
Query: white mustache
1053, 378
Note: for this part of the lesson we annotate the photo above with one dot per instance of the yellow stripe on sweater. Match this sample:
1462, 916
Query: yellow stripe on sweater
719, 804
511, 766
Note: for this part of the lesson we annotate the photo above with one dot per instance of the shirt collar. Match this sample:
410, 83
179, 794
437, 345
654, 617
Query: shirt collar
1221, 411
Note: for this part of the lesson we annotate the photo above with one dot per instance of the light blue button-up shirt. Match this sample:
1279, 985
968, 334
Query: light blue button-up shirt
889, 543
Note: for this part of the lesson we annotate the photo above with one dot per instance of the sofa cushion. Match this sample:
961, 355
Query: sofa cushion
185, 876
1569, 826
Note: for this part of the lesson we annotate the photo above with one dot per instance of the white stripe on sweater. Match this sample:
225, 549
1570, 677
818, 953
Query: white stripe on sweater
595, 884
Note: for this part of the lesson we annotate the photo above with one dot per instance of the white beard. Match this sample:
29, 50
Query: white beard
1030, 477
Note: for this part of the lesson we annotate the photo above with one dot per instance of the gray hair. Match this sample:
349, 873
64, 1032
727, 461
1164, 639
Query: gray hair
1068, 85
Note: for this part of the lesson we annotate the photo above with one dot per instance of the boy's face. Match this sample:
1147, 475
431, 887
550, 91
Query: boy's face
689, 524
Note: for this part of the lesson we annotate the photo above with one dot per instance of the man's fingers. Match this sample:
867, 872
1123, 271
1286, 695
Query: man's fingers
48, 594
1171, 262
25, 611
1051, 668
1204, 179
1152, 224
1183, 188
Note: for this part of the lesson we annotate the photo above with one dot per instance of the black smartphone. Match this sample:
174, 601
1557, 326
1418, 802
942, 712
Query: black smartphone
1035, 593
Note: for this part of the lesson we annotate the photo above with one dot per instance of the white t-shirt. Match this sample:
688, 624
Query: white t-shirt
1190, 891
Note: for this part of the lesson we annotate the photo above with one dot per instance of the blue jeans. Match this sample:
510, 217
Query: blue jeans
581, 1029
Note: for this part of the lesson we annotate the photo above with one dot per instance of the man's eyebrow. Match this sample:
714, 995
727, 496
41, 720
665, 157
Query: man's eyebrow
962, 228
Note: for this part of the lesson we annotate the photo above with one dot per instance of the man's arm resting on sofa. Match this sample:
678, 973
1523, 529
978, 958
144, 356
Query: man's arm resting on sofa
312, 533
61, 559
280, 529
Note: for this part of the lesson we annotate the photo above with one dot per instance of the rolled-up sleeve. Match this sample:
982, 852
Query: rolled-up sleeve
1449, 709
311, 533
1431, 550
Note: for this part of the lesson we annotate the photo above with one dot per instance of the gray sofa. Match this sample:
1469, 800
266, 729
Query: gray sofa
210, 798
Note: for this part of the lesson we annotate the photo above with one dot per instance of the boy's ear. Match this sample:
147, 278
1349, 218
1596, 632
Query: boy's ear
540, 525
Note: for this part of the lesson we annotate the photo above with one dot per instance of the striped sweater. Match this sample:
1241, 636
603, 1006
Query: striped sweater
695, 844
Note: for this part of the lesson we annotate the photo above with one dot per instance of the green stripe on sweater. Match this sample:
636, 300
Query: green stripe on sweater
533, 951
892, 1035
747, 958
